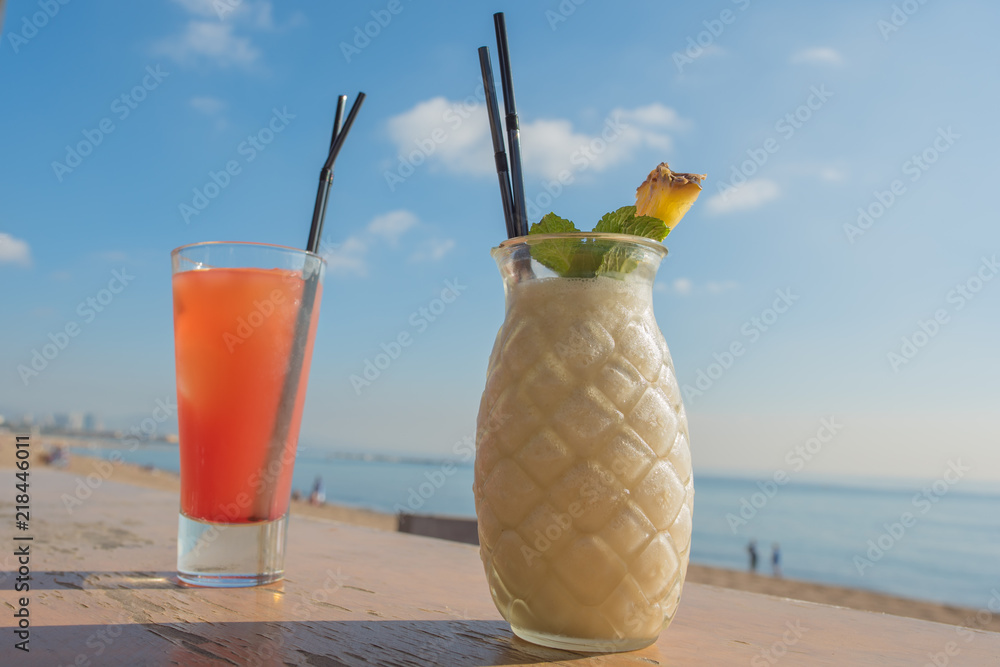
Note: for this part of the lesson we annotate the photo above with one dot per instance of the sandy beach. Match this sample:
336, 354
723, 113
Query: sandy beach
784, 588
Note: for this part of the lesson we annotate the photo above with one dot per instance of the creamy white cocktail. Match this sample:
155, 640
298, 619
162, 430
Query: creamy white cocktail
584, 491
583, 484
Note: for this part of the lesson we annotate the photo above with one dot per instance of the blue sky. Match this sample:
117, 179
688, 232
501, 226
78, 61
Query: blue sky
799, 112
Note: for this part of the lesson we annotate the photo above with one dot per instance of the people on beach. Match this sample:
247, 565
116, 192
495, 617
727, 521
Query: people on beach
56, 457
318, 494
752, 551
776, 559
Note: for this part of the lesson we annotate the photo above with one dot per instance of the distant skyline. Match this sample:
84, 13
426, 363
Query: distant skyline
844, 243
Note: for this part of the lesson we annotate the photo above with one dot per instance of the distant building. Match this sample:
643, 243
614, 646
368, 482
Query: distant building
92, 423
74, 422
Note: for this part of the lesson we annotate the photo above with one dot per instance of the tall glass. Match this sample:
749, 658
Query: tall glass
245, 318
583, 482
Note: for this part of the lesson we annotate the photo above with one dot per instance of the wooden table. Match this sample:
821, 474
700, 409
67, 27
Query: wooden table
103, 592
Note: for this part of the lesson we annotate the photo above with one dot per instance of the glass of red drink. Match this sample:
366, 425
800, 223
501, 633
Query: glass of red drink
245, 317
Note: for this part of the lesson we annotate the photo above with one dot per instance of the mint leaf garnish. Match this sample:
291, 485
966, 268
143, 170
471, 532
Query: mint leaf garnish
617, 260
557, 255
553, 224
578, 258
625, 221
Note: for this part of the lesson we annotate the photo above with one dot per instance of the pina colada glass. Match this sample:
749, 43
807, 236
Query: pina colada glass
583, 473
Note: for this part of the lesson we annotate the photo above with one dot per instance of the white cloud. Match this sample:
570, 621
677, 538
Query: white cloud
685, 287
217, 32
682, 286
752, 194
262, 15
258, 13
113, 256
832, 174
209, 41
432, 250
820, 55
14, 250
549, 147
466, 147
654, 114
454, 136
351, 257
207, 105
710, 51
390, 226
347, 258
720, 286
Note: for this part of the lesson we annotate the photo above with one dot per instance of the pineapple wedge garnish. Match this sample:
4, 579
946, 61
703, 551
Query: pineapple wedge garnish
667, 195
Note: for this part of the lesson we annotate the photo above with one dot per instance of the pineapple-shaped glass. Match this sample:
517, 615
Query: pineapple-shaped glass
583, 473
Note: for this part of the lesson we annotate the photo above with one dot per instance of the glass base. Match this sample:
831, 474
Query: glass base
584, 645
231, 555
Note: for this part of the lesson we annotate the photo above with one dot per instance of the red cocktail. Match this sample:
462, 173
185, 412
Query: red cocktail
243, 341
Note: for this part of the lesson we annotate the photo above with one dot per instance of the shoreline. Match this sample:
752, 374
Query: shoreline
464, 531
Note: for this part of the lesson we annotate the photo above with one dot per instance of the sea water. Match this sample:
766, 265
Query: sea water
836, 531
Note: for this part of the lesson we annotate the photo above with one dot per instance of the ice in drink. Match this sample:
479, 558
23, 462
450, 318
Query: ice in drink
233, 332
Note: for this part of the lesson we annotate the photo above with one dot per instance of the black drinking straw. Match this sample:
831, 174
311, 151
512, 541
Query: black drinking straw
315, 230
499, 154
326, 173
338, 118
290, 388
513, 132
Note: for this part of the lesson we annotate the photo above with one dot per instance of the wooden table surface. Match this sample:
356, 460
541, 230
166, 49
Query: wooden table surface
103, 592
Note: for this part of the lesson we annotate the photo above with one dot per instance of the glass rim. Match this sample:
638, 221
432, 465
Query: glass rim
656, 246
273, 246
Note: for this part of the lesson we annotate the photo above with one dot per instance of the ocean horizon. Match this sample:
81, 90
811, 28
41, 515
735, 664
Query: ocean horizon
933, 540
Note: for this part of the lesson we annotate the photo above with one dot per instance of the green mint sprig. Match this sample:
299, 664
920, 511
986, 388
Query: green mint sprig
575, 258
